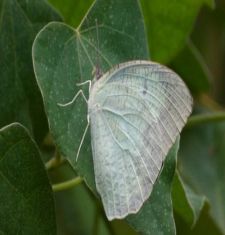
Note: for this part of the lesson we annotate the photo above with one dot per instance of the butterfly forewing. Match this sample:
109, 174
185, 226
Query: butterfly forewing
136, 111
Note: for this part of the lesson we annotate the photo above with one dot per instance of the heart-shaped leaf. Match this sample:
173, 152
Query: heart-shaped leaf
26, 198
64, 56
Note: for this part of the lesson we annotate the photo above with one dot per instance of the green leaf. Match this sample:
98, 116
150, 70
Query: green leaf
190, 65
201, 164
64, 57
186, 202
26, 198
72, 11
168, 23
156, 216
20, 98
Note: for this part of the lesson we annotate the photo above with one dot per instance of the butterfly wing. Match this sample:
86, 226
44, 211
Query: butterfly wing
136, 112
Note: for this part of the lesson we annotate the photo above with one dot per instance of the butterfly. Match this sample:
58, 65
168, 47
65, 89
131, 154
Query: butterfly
136, 110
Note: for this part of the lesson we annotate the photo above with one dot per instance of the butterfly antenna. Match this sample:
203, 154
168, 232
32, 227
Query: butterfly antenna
98, 71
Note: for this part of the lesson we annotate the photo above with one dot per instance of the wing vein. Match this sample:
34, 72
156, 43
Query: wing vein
166, 131
151, 95
164, 81
125, 119
142, 160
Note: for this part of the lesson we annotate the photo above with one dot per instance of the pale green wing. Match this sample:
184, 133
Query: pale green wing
136, 112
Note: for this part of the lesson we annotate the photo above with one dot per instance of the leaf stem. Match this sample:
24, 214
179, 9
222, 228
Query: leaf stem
67, 184
54, 162
205, 118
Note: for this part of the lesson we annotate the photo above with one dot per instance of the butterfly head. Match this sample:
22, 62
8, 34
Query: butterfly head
97, 73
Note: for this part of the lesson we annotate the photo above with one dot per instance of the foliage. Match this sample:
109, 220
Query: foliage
26, 196
188, 195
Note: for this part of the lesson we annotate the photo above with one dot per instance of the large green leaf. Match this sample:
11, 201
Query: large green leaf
64, 57
156, 216
20, 20
168, 23
201, 164
26, 198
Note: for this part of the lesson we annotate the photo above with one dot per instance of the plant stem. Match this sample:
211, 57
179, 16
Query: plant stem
205, 118
54, 162
66, 184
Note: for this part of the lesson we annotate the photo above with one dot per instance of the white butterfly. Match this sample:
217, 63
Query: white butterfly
136, 110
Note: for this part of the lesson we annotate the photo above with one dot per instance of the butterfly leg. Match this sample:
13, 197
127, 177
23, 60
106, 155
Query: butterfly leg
74, 98
69, 103
83, 83
82, 140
